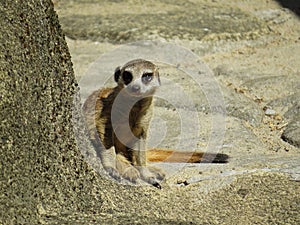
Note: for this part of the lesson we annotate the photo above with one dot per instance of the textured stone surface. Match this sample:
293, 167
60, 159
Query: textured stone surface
40, 164
292, 132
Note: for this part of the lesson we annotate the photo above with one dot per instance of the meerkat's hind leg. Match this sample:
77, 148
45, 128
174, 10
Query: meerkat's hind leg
108, 159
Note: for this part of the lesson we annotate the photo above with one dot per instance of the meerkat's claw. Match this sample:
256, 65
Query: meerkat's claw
155, 183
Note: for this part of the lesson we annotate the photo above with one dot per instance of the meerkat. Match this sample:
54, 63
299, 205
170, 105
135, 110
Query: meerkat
118, 119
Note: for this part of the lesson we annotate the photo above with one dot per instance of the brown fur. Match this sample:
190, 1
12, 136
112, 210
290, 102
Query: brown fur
173, 156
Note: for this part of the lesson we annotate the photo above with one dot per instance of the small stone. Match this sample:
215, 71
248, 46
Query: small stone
183, 182
270, 112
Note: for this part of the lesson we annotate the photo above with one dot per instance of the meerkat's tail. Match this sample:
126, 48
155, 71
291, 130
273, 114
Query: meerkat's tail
171, 156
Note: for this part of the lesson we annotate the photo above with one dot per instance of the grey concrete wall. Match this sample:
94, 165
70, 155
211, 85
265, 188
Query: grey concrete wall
39, 159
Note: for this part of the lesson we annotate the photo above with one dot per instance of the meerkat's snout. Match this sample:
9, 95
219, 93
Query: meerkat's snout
138, 77
135, 88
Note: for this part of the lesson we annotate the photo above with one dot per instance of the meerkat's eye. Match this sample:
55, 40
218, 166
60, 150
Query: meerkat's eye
147, 77
127, 77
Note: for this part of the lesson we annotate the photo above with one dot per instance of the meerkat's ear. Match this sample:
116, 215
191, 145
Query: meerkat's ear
117, 73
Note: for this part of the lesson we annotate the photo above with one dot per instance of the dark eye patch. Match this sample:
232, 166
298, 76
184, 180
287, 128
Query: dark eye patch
127, 77
147, 77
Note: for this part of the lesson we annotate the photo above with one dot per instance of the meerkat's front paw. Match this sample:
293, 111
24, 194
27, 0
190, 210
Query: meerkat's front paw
126, 170
152, 175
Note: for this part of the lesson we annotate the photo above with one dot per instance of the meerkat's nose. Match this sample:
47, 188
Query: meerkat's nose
136, 88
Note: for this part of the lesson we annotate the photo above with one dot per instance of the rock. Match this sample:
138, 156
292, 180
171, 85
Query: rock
286, 105
292, 132
275, 16
272, 87
293, 113
270, 112
238, 105
41, 167
289, 106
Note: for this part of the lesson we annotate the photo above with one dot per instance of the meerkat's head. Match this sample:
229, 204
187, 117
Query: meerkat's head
139, 77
